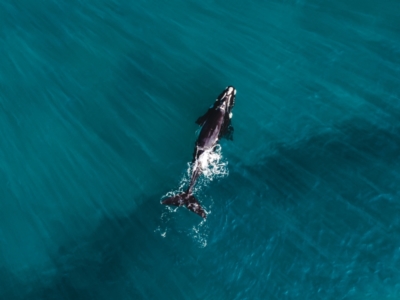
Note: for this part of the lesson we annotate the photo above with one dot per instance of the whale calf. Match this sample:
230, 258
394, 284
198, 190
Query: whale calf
215, 124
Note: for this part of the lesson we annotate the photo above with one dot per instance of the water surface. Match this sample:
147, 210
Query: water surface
98, 101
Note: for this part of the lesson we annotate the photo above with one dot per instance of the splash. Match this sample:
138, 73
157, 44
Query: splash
213, 167
199, 233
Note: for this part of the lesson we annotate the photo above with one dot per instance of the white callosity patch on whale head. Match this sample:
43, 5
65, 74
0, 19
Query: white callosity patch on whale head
230, 115
230, 90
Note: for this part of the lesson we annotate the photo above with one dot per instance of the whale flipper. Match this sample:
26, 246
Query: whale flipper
227, 132
189, 201
200, 121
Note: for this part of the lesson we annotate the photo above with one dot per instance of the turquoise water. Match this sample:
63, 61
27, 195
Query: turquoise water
97, 107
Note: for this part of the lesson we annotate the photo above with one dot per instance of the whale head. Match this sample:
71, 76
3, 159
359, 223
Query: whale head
226, 99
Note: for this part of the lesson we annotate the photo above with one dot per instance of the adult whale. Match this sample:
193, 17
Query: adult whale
216, 123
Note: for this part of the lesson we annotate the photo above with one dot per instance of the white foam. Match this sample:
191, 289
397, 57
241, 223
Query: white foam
199, 234
213, 167
212, 164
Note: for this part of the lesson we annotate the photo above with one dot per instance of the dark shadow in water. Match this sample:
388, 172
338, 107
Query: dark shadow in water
122, 249
346, 151
344, 161
355, 161
334, 198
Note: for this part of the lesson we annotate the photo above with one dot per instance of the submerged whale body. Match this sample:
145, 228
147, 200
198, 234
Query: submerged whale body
215, 124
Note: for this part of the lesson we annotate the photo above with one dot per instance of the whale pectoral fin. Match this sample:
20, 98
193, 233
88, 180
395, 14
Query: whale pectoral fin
227, 133
200, 121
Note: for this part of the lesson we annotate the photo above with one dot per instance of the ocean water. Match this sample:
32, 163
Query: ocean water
97, 107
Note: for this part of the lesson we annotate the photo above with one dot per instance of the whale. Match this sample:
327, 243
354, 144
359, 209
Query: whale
215, 124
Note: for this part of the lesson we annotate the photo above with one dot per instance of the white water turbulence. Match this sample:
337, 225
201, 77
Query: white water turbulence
213, 166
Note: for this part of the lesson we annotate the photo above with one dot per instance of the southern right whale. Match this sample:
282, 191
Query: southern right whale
216, 123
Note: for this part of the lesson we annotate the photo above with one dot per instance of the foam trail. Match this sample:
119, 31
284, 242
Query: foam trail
213, 165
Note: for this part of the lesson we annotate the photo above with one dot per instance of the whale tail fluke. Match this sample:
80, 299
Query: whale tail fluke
189, 201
